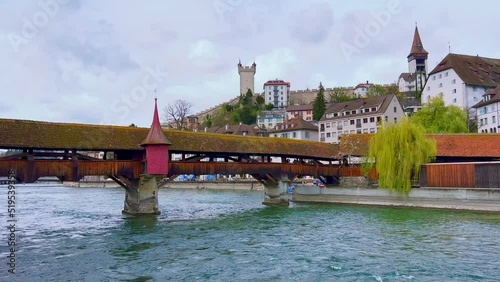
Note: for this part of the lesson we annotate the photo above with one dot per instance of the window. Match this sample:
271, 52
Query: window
365, 120
374, 109
453, 81
454, 91
245, 133
493, 119
440, 76
308, 134
433, 77
328, 125
351, 122
386, 118
345, 122
335, 115
281, 88
353, 112
440, 85
322, 127
454, 100
474, 88
294, 135
372, 130
379, 119
328, 135
365, 130
395, 109
367, 110
428, 88
446, 74
485, 120
372, 119
395, 120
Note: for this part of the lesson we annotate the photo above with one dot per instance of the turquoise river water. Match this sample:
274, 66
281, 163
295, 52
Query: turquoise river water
79, 234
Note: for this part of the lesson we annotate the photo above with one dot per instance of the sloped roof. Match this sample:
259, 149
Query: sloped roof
155, 135
294, 108
417, 48
473, 70
406, 76
382, 102
294, 124
494, 95
237, 130
448, 145
21, 134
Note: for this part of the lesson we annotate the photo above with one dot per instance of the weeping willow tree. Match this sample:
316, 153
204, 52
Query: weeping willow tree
398, 151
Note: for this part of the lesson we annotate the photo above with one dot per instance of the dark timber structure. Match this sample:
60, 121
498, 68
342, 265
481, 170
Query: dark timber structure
137, 158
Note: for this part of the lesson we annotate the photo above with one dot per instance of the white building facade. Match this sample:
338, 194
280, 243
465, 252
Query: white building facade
269, 119
296, 128
361, 116
277, 92
488, 112
462, 80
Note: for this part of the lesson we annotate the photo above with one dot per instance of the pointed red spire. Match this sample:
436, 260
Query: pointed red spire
417, 48
156, 135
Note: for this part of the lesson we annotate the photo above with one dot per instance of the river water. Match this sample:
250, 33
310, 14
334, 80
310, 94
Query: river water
79, 234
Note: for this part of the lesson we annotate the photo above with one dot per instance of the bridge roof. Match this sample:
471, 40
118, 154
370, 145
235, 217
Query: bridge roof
25, 134
448, 145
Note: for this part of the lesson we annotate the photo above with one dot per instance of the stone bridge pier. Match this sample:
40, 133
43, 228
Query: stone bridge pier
143, 197
276, 191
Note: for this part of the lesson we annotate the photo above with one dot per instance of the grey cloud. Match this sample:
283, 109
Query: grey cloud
313, 24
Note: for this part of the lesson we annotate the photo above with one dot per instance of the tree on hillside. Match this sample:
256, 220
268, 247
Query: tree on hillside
435, 117
319, 104
339, 95
260, 100
376, 90
397, 151
177, 112
207, 121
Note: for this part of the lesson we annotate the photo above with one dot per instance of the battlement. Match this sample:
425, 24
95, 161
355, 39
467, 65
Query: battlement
251, 69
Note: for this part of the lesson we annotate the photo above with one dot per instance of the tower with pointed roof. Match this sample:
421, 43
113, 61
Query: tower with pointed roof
417, 61
156, 145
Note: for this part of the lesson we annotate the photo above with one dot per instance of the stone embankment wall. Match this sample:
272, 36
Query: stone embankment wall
215, 185
442, 198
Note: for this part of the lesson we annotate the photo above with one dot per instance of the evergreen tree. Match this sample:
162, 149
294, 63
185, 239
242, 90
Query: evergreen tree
319, 104
398, 151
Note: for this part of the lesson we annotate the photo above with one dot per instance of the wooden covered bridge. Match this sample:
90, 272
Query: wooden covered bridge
135, 156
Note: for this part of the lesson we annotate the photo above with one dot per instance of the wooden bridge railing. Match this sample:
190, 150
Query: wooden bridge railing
68, 170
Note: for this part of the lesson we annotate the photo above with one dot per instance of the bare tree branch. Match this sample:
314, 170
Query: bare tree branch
175, 114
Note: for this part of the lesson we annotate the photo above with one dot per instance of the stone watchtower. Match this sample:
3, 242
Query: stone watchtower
247, 78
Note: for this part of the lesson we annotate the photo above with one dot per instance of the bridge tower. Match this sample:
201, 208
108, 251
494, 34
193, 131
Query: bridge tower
144, 198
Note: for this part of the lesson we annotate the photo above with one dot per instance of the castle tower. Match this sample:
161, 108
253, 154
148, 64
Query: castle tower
417, 61
247, 78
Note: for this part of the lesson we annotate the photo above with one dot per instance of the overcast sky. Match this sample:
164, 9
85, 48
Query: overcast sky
100, 61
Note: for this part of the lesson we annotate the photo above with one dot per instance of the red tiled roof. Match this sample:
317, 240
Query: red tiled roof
277, 82
448, 145
155, 134
417, 48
